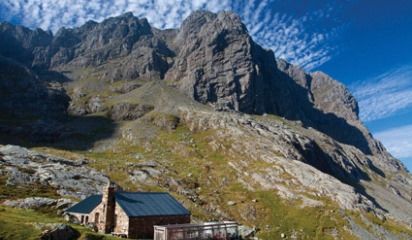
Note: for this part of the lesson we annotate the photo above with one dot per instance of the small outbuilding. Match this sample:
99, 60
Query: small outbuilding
129, 214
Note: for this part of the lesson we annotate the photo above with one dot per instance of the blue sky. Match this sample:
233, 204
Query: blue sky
366, 44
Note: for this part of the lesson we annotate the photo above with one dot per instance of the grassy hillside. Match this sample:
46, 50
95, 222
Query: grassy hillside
188, 159
197, 168
199, 174
28, 224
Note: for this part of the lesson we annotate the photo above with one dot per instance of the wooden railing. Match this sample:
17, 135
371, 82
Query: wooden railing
212, 231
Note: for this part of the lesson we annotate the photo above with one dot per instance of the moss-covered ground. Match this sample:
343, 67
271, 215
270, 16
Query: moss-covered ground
188, 158
16, 224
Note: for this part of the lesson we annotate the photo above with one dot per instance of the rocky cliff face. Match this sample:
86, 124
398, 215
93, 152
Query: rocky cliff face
23, 94
124, 80
211, 58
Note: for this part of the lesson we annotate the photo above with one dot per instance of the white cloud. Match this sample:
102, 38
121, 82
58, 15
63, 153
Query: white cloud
385, 95
287, 36
398, 141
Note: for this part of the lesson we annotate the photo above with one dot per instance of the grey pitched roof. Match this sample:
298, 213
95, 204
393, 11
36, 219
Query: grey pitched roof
87, 205
139, 204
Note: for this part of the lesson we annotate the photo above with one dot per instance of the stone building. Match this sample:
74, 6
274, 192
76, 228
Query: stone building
129, 214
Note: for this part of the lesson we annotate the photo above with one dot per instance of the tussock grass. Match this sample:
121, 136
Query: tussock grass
16, 223
189, 158
15, 192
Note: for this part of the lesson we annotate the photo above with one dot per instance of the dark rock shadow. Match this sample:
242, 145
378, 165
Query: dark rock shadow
328, 123
75, 133
282, 96
316, 157
375, 169
34, 114
51, 76
83, 132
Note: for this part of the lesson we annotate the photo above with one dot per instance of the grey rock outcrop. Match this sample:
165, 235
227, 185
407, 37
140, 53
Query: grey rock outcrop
216, 64
210, 58
23, 94
128, 111
32, 202
144, 54
332, 97
315, 163
39, 202
70, 178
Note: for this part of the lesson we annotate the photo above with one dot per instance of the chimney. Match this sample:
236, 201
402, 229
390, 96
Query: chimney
109, 206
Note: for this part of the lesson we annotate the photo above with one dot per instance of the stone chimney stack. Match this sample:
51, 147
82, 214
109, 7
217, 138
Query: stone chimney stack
109, 206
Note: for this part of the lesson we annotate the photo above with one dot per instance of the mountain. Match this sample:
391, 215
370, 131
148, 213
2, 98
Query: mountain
220, 119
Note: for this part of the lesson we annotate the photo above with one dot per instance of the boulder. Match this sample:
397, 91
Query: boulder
60, 232
128, 111
126, 87
165, 121
231, 203
95, 104
246, 232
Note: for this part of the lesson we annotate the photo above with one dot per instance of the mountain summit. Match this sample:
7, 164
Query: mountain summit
211, 108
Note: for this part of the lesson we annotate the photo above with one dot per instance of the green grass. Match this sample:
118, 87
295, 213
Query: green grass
22, 191
20, 224
307, 222
366, 219
16, 223
188, 158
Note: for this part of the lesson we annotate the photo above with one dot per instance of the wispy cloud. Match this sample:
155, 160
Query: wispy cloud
288, 36
385, 95
398, 141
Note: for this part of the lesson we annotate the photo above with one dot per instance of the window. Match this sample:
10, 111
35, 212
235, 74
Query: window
87, 219
82, 219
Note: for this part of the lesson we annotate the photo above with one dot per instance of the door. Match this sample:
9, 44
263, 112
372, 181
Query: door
96, 218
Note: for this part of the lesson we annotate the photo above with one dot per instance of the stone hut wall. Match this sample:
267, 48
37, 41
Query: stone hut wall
100, 224
121, 221
142, 227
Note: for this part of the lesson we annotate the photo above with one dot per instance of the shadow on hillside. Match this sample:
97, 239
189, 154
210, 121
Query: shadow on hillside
283, 96
328, 123
34, 112
52, 76
83, 132
75, 133
316, 157
337, 128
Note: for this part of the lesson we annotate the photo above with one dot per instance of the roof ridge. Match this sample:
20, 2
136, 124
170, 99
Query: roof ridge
143, 192
86, 205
